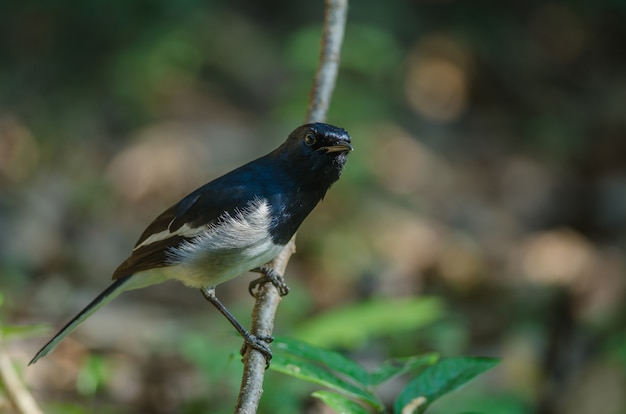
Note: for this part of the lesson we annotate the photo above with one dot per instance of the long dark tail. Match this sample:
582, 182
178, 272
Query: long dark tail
102, 299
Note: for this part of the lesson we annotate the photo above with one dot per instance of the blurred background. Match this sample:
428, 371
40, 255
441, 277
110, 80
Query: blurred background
488, 176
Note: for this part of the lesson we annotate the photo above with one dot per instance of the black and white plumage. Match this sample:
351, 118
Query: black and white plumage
235, 223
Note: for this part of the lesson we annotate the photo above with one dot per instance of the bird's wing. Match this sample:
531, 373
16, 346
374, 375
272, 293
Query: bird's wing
183, 221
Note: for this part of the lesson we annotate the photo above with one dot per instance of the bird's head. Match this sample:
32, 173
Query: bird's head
318, 151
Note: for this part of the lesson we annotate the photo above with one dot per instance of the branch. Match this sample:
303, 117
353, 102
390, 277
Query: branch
268, 298
332, 38
18, 394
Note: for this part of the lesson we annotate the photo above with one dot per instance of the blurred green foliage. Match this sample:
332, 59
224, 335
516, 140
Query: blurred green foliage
353, 326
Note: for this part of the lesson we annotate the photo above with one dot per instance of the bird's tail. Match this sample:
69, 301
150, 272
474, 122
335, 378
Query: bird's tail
117, 287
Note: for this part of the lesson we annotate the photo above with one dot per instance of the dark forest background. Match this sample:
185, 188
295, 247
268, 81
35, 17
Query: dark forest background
489, 176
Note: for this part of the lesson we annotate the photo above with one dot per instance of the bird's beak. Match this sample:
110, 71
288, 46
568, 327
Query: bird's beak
338, 147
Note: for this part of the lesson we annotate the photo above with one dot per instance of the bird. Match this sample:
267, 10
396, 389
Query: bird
235, 223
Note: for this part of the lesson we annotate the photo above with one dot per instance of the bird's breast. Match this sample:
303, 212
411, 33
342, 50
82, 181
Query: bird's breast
232, 245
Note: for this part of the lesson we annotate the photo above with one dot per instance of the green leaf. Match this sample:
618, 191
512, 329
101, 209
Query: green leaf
398, 366
339, 403
472, 412
313, 373
332, 360
438, 380
24, 331
66, 408
351, 326
92, 375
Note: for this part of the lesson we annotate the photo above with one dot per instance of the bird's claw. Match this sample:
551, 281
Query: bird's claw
269, 275
259, 343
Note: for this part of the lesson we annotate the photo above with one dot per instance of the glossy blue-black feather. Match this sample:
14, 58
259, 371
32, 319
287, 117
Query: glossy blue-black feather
291, 179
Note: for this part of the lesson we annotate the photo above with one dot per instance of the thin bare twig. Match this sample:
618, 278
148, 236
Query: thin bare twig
268, 297
17, 392
332, 38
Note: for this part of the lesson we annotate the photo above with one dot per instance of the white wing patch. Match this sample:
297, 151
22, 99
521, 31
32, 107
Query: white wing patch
185, 230
223, 250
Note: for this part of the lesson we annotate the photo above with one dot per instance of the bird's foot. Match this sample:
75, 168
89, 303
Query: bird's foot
259, 343
269, 275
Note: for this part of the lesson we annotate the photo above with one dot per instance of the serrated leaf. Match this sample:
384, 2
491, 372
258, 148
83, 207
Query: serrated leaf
334, 361
351, 326
438, 380
398, 366
313, 373
339, 403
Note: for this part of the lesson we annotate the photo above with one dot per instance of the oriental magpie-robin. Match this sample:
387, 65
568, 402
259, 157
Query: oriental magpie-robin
235, 223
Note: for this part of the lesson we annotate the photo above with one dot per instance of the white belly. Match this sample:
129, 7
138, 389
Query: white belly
226, 249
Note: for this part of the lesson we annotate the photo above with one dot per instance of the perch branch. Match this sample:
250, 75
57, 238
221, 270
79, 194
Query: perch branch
268, 297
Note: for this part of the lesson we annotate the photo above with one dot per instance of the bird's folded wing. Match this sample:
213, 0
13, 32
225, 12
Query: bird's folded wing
148, 257
183, 221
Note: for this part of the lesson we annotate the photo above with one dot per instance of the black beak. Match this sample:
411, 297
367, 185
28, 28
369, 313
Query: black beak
338, 147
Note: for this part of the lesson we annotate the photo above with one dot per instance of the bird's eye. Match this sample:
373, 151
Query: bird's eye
309, 139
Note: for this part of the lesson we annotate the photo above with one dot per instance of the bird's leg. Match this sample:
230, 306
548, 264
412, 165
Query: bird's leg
256, 342
269, 275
